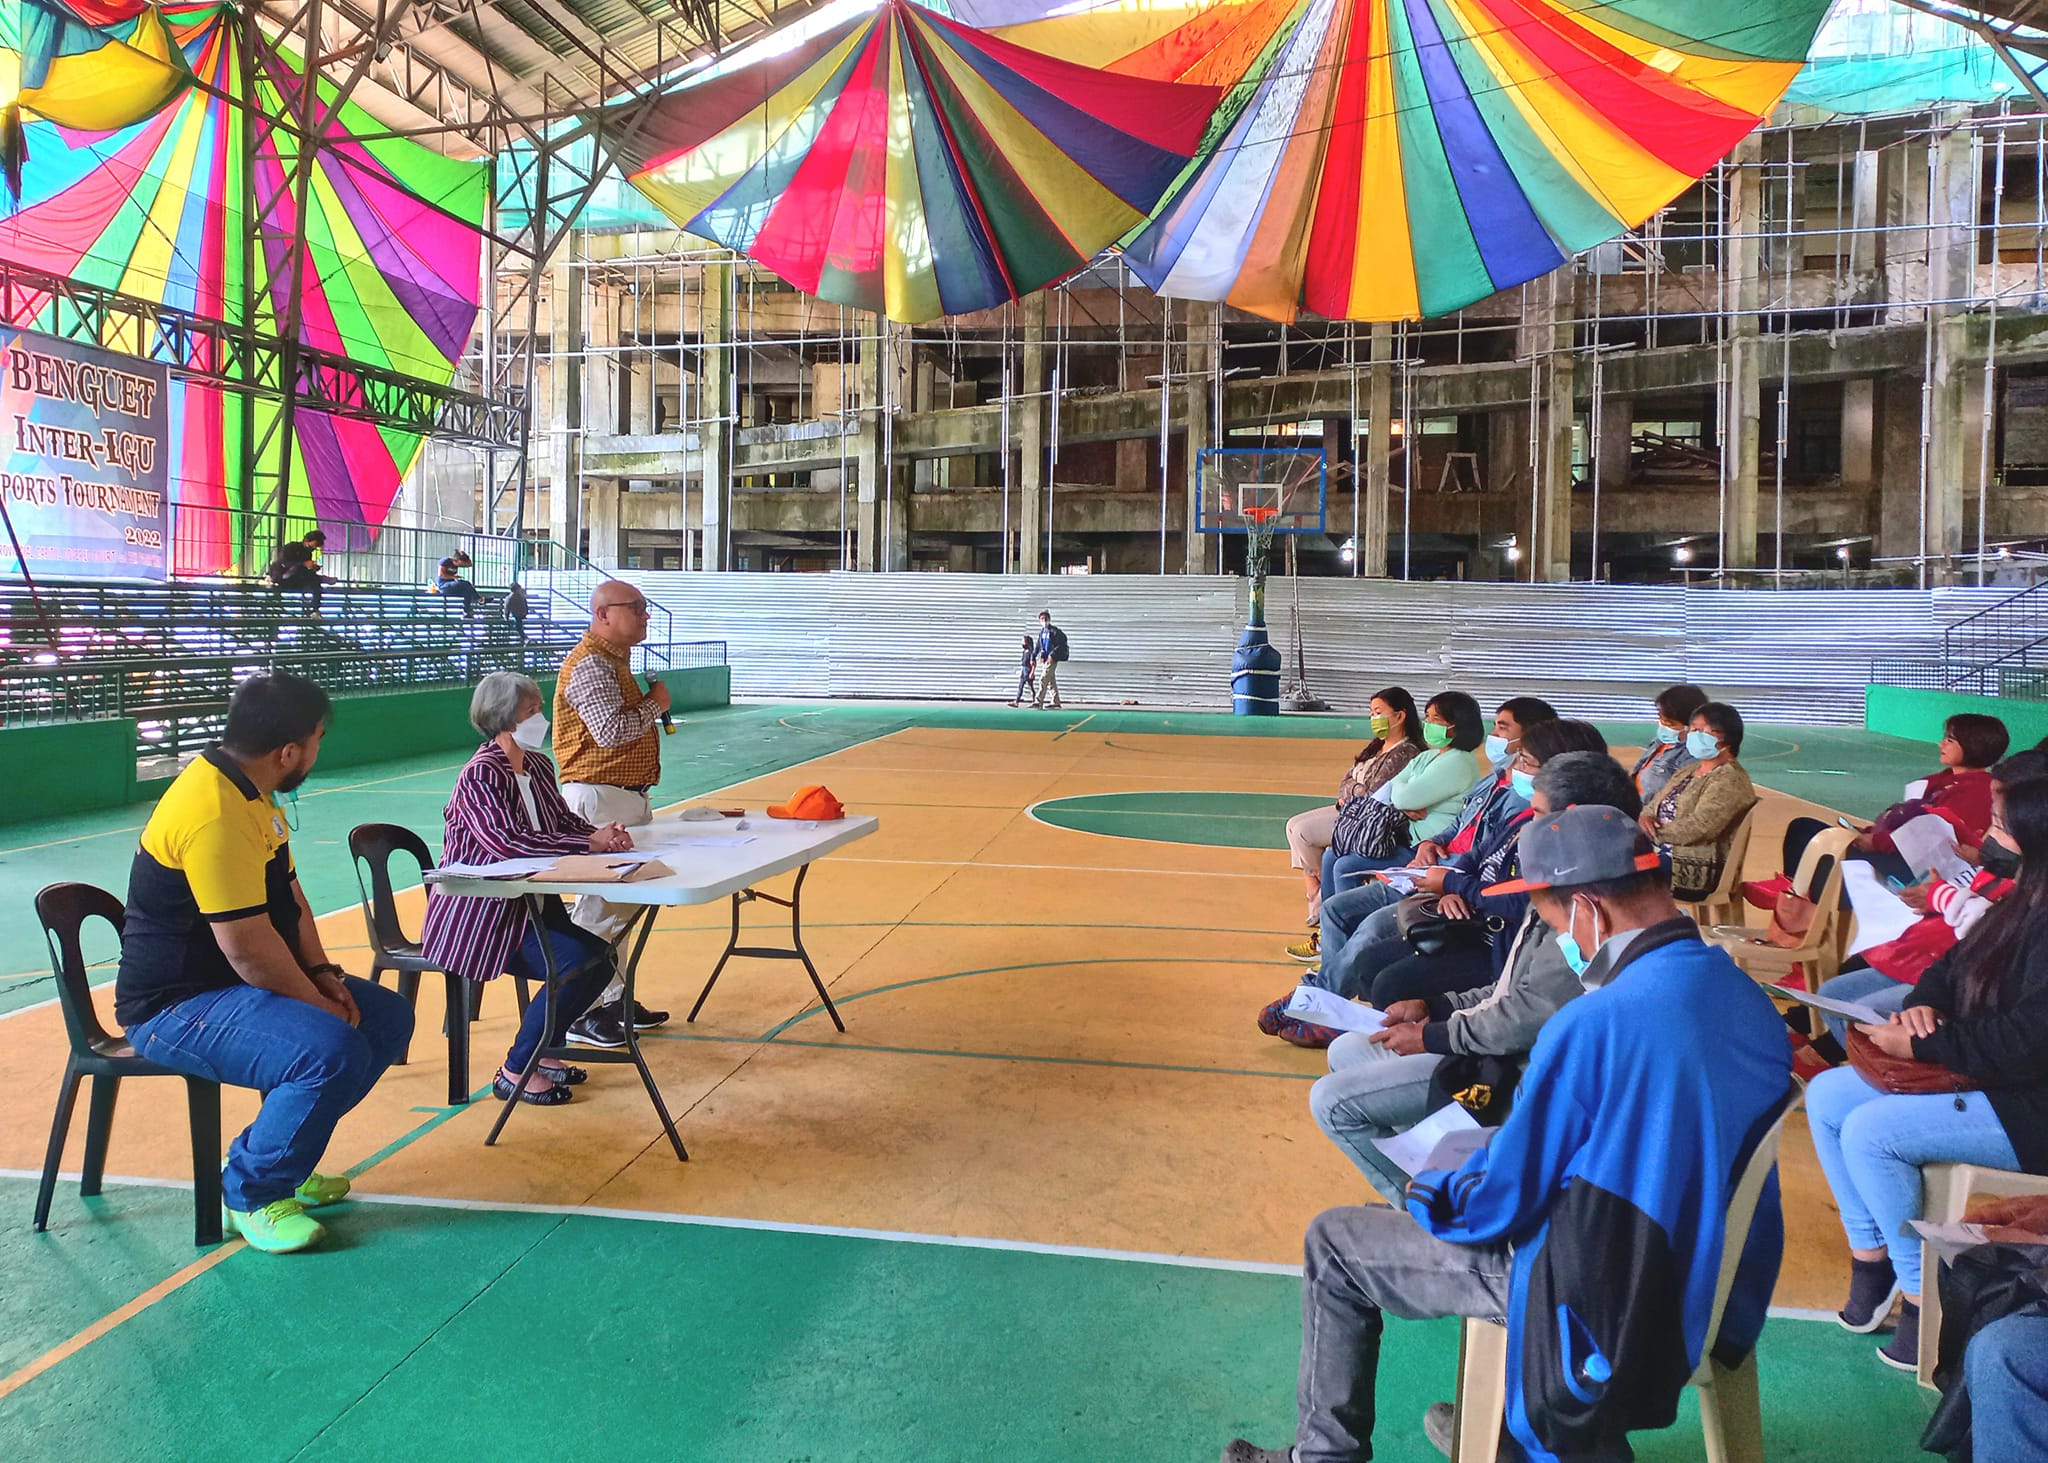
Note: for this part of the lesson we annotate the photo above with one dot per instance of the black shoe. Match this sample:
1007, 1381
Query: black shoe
1241, 1451
597, 1028
1873, 1286
644, 1019
1440, 1426
1904, 1351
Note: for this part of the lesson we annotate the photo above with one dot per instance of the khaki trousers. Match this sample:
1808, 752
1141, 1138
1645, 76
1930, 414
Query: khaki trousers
595, 803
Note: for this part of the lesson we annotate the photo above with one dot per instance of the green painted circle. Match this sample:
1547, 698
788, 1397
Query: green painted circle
1212, 819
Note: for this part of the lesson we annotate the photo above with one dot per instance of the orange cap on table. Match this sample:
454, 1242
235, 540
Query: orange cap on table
815, 803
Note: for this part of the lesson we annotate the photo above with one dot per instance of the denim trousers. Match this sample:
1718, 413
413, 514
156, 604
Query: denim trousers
1372, 1092
1871, 1145
1351, 922
1359, 1264
1342, 872
1866, 987
2005, 1370
583, 968
310, 1066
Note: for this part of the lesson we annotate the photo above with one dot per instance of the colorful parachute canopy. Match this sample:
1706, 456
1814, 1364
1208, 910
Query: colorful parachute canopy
1390, 159
162, 210
905, 163
91, 64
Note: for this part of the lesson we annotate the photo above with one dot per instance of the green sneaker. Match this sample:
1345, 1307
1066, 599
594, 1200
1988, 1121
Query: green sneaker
322, 1188
278, 1228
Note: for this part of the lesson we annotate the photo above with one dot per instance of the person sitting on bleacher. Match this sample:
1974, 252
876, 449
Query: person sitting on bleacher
448, 580
1695, 817
1981, 1011
506, 805
1665, 757
1385, 1082
1595, 1220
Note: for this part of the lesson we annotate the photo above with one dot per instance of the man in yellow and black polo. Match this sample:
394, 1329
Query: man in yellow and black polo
223, 974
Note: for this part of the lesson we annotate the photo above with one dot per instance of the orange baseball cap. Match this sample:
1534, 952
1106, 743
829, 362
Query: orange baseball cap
815, 803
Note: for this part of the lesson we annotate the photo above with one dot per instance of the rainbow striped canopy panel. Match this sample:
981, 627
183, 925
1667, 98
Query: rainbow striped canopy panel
1393, 159
162, 210
93, 64
906, 163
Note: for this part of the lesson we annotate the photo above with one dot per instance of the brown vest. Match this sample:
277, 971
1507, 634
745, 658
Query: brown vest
578, 754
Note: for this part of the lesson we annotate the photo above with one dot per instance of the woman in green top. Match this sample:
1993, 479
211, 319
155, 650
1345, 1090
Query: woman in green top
1430, 789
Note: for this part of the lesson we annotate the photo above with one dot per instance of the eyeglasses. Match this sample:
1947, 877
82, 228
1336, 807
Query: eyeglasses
630, 607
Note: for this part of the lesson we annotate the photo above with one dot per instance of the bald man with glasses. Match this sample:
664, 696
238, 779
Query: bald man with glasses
608, 747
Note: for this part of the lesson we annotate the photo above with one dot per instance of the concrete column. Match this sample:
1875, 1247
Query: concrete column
1744, 400
603, 522
714, 456
565, 401
1032, 414
1551, 554
1865, 246
1197, 393
1955, 396
1376, 480
1859, 433
1617, 441
867, 451
1898, 415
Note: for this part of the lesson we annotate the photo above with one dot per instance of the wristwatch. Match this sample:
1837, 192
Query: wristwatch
326, 965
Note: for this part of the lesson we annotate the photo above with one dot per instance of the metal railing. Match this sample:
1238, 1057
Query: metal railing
226, 542
546, 557
1999, 651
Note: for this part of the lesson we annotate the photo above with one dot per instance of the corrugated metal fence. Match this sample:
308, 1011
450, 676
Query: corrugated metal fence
1799, 657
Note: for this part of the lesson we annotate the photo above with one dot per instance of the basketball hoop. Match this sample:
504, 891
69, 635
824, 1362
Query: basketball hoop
1259, 514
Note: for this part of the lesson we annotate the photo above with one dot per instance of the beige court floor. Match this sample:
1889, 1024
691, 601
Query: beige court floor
1050, 1033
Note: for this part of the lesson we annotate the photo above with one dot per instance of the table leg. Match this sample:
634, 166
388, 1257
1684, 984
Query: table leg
536, 910
632, 967
796, 950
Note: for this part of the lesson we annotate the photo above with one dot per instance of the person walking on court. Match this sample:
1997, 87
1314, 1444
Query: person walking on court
223, 975
1024, 670
608, 748
1052, 649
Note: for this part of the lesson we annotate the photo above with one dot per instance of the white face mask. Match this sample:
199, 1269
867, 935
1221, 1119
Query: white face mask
531, 733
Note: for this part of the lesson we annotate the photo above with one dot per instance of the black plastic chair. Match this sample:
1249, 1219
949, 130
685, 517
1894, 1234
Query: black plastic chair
64, 910
373, 845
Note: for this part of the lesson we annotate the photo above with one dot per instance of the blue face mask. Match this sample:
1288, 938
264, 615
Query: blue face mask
1496, 749
1702, 745
1669, 735
1573, 956
1523, 783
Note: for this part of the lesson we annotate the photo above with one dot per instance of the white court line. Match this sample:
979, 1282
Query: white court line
824, 1231
932, 863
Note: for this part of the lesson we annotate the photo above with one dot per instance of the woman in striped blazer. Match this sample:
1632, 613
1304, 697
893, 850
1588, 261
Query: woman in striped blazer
506, 805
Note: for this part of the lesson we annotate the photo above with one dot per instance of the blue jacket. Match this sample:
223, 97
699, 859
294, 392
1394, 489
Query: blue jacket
1611, 1180
1493, 859
1492, 802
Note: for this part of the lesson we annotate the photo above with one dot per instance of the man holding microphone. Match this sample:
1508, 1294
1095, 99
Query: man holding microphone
608, 749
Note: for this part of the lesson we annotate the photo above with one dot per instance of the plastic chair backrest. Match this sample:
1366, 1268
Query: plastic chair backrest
1738, 853
64, 910
374, 844
1742, 1202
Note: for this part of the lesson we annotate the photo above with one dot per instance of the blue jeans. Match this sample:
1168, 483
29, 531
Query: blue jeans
1372, 1092
583, 968
1351, 922
1343, 871
311, 1068
1866, 987
2005, 1370
1871, 1145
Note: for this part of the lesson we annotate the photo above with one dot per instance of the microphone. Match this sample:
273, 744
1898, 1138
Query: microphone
668, 724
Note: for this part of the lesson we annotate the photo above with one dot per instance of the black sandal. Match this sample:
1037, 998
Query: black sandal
501, 1088
565, 1076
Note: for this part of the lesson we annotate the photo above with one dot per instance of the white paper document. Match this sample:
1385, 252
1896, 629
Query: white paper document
1914, 791
1922, 840
1881, 916
1441, 1140
1401, 881
1318, 1007
1849, 1010
1949, 1240
511, 868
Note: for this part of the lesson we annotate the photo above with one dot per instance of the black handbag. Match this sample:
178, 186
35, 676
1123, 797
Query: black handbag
1430, 933
1483, 1085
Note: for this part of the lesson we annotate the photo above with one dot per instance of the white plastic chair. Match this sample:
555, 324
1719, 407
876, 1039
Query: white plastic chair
1945, 1192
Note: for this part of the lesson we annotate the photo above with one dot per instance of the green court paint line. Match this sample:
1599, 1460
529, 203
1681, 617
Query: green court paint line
406, 1140
932, 1051
1200, 818
903, 985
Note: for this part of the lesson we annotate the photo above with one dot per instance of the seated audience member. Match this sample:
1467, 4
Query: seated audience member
1696, 815
506, 805
1666, 756
1994, 1312
1374, 960
1568, 1211
1428, 792
1396, 740
1385, 1082
1959, 794
1510, 719
223, 974
1981, 1011
1882, 977
448, 581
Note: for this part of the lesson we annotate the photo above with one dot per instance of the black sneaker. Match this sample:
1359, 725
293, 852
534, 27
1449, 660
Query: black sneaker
599, 1027
1904, 1351
644, 1019
1241, 1451
1873, 1286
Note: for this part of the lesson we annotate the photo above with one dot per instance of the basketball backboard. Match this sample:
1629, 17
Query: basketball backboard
1235, 486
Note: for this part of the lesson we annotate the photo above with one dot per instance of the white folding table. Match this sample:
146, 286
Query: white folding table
707, 861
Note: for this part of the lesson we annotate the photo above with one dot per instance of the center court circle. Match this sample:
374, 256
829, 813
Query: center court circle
1209, 819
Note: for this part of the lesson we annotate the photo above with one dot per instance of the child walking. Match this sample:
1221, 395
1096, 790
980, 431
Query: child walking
1024, 672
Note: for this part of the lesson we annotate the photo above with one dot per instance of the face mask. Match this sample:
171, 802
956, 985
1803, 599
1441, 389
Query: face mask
2000, 860
1573, 956
1576, 956
1702, 746
531, 733
1496, 748
1668, 735
1435, 735
1381, 725
1523, 783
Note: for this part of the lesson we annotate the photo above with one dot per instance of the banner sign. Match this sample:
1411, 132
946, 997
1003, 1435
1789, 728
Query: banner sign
84, 459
